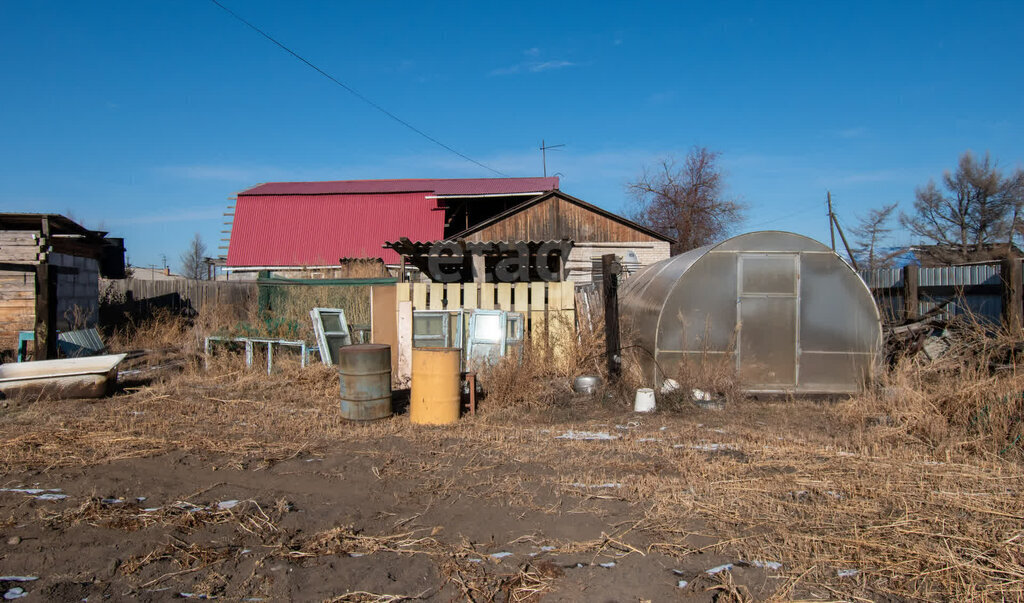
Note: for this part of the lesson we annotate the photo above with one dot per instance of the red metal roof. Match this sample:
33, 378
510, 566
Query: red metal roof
312, 230
442, 186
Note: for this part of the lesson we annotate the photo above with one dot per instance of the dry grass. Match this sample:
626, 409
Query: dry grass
344, 540
787, 482
230, 410
916, 486
183, 516
547, 368
286, 316
971, 399
163, 330
290, 306
531, 582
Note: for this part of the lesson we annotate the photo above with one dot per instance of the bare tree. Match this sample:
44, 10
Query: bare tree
978, 207
686, 202
192, 260
871, 232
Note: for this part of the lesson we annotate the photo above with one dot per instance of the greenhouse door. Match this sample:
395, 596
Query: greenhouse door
768, 286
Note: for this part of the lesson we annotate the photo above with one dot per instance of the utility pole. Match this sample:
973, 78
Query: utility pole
831, 219
835, 220
544, 154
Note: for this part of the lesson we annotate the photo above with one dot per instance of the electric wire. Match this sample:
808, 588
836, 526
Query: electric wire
353, 91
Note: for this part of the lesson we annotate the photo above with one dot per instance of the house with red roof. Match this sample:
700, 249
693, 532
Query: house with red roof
318, 226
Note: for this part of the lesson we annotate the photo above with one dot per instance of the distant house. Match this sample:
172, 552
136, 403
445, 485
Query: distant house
321, 226
154, 274
75, 255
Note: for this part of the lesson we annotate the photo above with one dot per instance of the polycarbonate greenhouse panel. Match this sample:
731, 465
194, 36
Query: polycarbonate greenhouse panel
826, 372
772, 240
787, 312
708, 323
768, 342
768, 274
828, 321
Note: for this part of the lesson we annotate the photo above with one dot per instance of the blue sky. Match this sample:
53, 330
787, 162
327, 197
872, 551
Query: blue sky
142, 117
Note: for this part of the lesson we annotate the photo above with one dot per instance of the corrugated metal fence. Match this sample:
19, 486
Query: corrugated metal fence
976, 289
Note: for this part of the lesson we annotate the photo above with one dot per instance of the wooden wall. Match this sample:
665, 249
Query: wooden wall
17, 306
556, 218
18, 289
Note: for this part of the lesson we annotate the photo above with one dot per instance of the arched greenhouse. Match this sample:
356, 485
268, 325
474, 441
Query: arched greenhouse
789, 312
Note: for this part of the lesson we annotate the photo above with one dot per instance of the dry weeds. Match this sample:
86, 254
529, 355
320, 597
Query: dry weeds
970, 399
912, 491
786, 482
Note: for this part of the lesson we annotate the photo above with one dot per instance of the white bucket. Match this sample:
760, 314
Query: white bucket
644, 400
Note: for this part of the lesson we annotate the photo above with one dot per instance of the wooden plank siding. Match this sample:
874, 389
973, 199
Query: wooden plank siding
558, 218
18, 289
17, 306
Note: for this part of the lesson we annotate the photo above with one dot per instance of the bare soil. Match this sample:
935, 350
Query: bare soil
250, 488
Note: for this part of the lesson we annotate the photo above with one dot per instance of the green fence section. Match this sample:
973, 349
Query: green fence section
339, 282
284, 303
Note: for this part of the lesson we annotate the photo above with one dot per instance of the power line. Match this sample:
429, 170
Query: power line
774, 220
353, 91
778, 219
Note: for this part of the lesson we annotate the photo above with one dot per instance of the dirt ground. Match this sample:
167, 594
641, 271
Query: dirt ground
248, 488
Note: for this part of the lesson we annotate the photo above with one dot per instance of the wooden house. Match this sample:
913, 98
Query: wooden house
316, 227
556, 216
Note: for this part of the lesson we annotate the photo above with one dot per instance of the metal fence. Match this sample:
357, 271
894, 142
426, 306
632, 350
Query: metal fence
975, 289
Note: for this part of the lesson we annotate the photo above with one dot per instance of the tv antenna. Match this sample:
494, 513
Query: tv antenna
544, 154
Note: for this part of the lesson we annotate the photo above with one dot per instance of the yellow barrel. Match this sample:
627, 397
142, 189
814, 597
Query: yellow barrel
435, 392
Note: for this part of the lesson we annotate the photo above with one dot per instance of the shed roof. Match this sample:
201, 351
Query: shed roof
437, 186
312, 230
59, 224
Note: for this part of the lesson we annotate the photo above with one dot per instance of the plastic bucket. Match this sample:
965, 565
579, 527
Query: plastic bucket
644, 401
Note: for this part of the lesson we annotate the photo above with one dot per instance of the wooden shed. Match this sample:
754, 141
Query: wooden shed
593, 231
49, 276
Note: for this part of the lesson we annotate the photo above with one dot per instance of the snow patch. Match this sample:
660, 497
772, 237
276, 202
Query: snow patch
586, 435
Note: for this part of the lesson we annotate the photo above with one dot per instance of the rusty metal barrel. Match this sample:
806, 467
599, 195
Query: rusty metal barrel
435, 396
365, 375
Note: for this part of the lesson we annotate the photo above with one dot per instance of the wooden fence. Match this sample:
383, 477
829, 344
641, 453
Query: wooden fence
547, 307
178, 294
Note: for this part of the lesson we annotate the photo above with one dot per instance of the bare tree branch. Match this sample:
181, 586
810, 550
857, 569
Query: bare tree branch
686, 202
978, 207
870, 233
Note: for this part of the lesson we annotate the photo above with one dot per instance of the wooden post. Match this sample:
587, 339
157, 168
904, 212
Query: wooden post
1012, 294
403, 375
842, 236
910, 299
46, 312
610, 289
831, 225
